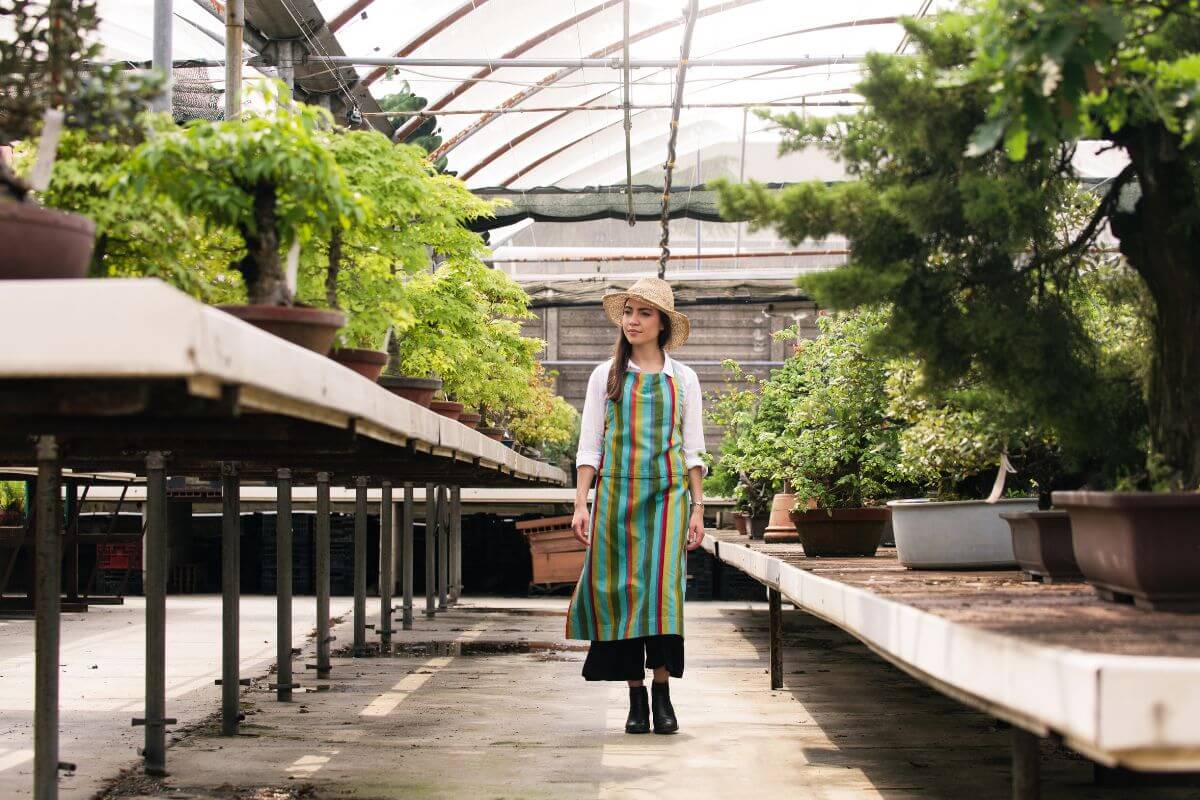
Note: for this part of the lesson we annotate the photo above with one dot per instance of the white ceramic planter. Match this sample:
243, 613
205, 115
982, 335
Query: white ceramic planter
966, 534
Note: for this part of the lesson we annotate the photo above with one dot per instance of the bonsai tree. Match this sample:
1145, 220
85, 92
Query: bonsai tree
269, 177
967, 219
545, 422
733, 409
12, 501
45, 71
840, 443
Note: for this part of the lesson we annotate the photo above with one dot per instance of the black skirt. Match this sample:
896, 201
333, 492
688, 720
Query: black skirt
628, 659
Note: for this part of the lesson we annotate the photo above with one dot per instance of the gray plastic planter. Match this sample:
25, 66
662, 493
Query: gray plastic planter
966, 534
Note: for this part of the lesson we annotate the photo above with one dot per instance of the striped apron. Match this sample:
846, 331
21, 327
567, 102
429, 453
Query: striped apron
633, 577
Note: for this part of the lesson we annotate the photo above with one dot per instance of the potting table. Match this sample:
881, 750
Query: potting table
133, 376
1115, 683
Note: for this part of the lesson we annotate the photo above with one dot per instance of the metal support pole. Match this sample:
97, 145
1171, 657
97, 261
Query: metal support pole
235, 26
775, 602
443, 546
431, 519
360, 566
155, 721
455, 543
283, 585
46, 593
737, 241
322, 565
406, 559
1026, 766
164, 24
385, 567
231, 579
287, 65
70, 541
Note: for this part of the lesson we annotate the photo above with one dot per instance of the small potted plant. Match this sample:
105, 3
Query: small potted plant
12, 504
270, 177
840, 442
47, 82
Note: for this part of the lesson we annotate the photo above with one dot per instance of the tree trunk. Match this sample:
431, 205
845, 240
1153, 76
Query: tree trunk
262, 268
1162, 244
335, 264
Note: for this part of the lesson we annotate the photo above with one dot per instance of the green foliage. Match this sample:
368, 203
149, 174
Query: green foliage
974, 255
839, 443
139, 233
12, 496
748, 462
268, 176
424, 135
44, 64
545, 422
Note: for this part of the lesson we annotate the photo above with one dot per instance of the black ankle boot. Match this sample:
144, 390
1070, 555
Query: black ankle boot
664, 714
639, 711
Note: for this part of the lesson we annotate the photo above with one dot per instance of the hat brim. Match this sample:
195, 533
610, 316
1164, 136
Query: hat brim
681, 328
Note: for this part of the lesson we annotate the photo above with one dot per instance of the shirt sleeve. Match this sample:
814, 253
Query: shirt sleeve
693, 424
591, 425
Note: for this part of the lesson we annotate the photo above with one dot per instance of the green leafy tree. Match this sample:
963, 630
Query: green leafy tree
976, 254
546, 422
268, 176
426, 134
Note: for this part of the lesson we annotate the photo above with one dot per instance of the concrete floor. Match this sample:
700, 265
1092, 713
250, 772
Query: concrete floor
103, 680
486, 701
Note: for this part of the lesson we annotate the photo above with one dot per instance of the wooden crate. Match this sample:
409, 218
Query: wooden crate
556, 555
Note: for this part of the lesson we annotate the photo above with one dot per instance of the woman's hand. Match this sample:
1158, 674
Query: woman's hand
580, 527
696, 528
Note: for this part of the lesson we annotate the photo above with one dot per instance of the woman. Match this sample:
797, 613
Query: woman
641, 439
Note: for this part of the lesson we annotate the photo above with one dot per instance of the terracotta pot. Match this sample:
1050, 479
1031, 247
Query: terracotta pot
447, 408
44, 242
780, 529
493, 433
840, 531
741, 523
418, 390
368, 363
1042, 544
758, 526
1142, 547
469, 418
311, 328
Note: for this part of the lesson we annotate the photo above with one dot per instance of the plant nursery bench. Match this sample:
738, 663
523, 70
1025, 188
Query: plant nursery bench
1113, 682
133, 376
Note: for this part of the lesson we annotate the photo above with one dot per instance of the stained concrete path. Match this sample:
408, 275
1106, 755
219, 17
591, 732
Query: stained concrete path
486, 701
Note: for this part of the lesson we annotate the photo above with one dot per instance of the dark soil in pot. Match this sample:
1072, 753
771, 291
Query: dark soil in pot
1140, 547
1042, 542
840, 531
447, 408
470, 419
493, 433
418, 390
311, 328
44, 242
368, 363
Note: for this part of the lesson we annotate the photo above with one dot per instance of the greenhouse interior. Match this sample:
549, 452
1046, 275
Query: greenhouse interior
445, 371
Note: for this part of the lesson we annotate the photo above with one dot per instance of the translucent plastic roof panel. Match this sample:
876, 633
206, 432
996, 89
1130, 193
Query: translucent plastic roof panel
541, 126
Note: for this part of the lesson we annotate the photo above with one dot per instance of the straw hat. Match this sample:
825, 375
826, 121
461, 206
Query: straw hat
657, 293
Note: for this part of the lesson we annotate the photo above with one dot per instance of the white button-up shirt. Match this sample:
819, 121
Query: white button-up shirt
591, 430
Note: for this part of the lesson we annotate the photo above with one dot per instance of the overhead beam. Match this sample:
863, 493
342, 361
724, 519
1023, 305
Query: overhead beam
427, 34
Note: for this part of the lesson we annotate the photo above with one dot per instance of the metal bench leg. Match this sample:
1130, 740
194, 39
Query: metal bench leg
322, 565
431, 520
443, 546
386, 511
1026, 766
776, 626
231, 580
455, 543
283, 586
406, 559
155, 721
360, 566
46, 594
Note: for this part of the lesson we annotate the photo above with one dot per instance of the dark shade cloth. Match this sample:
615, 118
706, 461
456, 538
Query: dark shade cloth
628, 659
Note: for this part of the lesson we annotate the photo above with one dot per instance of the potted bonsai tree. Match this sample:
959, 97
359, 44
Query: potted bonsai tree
46, 83
840, 442
735, 409
270, 178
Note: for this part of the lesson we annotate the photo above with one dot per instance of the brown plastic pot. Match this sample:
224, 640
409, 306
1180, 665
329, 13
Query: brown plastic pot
1042, 544
447, 408
418, 390
741, 523
758, 526
368, 363
493, 433
311, 328
836, 532
470, 419
44, 242
1142, 547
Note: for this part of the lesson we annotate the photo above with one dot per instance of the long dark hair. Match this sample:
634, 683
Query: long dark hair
621, 352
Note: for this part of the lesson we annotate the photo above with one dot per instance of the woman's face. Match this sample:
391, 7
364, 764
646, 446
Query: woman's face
641, 322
